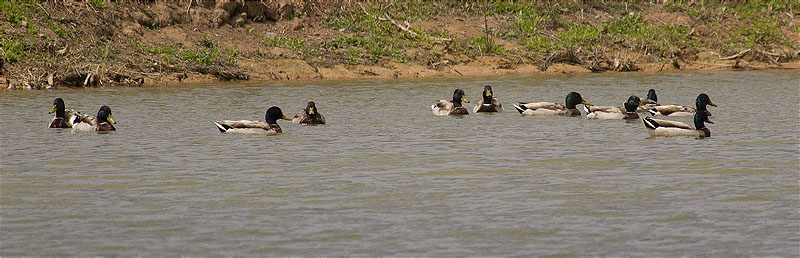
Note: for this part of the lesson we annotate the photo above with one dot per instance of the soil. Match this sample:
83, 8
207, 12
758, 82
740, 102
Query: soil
79, 44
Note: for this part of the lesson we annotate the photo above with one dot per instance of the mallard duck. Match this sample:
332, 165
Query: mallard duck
702, 101
553, 109
488, 103
611, 112
658, 127
651, 100
446, 107
253, 126
309, 116
63, 117
676, 110
102, 122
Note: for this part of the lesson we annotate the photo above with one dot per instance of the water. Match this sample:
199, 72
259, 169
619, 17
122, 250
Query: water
386, 177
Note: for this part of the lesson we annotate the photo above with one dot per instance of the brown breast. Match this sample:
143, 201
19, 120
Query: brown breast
459, 111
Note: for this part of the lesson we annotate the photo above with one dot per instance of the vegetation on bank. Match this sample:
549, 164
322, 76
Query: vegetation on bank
76, 44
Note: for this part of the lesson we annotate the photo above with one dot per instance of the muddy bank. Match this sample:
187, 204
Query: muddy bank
97, 43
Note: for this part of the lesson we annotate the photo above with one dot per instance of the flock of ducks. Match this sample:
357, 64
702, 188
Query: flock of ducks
310, 115
103, 122
628, 110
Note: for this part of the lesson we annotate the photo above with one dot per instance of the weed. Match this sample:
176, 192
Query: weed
31, 29
58, 29
538, 43
486, 45
17, 11
200, 57
373, 48
98, 4
578, 35
14, 50
207, 42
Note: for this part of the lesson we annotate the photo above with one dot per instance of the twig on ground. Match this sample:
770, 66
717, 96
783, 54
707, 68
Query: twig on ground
45, 11
407, 28
736, 56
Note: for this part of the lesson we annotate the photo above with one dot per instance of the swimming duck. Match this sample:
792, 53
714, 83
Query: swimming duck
103, 122
702, 101
553, 109
253, 126
651, 100
611, 112
62, 118
309, 116
658, 127
488, 103
676, 110
445, 107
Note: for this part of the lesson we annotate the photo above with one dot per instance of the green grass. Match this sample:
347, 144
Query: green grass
207, 42
15, 49
17, 11
539, 43
98, 4
486, 45
370, 49
172, 53
58, 29
578, 35
293, 44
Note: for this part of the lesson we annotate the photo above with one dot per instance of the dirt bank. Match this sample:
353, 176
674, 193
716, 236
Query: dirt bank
98, 43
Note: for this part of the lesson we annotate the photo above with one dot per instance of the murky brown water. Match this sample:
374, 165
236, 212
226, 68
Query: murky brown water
386, 177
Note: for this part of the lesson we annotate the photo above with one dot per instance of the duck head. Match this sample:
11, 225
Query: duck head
574, 98
104, 115
633, 103
702, 101
651, 95
311, 109
58, 107
487, 94
458, 97
273, 114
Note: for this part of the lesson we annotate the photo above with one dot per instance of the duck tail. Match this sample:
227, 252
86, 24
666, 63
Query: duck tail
585, 108
222, 128
650, 123
652, 111
520, 108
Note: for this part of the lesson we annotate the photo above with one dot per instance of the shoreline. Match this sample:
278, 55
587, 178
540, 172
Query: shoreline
43, 45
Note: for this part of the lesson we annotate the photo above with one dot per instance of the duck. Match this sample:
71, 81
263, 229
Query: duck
103, 122
489, 103
553, 109
309, 116
701, 102
611, 112
253, 126
63, 117
446, 107
658, 127
651, 100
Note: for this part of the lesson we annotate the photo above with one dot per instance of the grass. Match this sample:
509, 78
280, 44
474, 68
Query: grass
486, 45
15, 49
366, 49
362, 33
17, 11
293, 44
210, 54
98, 4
